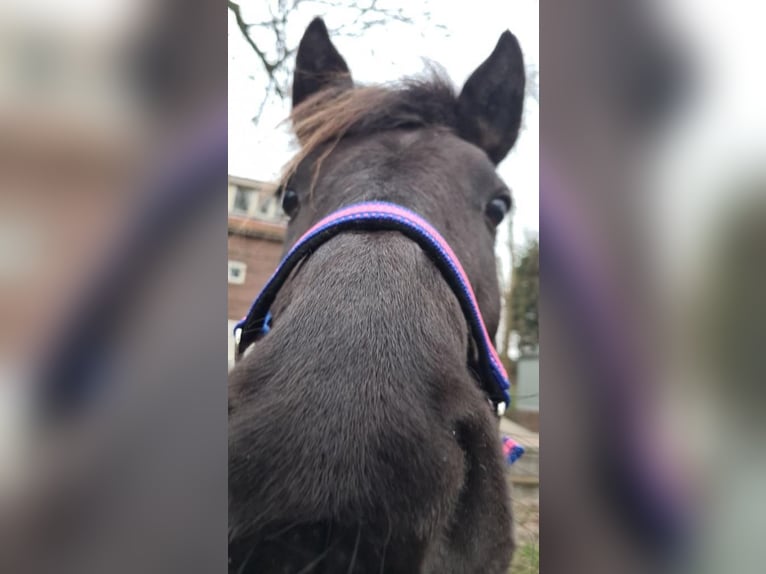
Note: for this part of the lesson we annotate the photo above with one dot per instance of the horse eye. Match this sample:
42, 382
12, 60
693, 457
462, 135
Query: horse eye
497, 209
289, 202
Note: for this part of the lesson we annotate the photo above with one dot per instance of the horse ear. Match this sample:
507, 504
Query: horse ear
318, 63
490, 104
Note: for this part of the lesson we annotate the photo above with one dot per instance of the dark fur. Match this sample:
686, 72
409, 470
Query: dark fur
358, 439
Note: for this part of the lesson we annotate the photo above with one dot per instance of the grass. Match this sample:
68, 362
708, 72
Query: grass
526, 559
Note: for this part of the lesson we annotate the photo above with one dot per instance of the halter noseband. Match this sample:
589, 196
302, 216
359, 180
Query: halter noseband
382, 216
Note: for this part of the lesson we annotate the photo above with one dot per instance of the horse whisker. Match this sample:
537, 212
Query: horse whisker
385, 544
316, 560
356, 548
241, 569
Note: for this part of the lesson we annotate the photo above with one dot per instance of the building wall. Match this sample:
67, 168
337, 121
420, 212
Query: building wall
261, 257
256, 232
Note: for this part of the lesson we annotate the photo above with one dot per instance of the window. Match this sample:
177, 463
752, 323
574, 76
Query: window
237, 272
265, 207
242, 199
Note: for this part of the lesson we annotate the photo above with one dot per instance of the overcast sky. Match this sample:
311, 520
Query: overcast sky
385, 54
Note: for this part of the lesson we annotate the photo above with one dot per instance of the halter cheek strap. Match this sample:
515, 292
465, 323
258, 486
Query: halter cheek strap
381, 216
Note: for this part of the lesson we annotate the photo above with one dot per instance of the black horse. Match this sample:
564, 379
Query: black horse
359, 440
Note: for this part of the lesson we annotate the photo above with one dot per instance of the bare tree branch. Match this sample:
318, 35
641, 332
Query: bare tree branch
244, 28
274, 54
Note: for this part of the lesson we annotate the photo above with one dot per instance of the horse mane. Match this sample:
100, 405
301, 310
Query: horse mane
337, 112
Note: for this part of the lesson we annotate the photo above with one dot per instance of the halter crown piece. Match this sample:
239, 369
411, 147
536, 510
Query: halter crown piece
383, 216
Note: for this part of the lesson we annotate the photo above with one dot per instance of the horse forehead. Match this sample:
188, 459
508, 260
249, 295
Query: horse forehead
435, 150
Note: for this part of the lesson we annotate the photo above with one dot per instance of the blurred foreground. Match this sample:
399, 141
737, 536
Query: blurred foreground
112, 385
653, 211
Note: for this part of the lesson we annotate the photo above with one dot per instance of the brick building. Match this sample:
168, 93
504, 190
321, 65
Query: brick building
256, 231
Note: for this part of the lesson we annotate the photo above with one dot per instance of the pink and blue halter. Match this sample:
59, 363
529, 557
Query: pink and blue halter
383, 216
